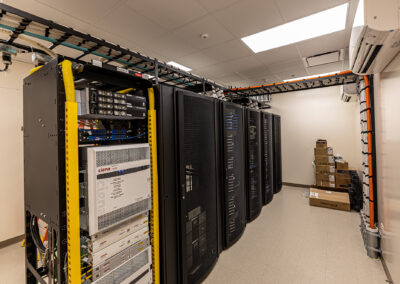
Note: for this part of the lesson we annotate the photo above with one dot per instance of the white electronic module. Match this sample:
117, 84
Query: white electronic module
118, 184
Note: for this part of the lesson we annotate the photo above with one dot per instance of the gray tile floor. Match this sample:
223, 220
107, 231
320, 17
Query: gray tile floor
290, 242
293, 242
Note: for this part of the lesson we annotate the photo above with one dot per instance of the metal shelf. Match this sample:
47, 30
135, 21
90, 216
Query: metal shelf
24, 25
342, 78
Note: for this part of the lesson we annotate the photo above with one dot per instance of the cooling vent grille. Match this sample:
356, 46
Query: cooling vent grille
112, 157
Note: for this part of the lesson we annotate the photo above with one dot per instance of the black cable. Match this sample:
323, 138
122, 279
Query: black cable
34, 227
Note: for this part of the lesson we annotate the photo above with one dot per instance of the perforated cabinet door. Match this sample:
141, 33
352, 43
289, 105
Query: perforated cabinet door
268, 165
277, 153
254, 192
234, 179
198, 185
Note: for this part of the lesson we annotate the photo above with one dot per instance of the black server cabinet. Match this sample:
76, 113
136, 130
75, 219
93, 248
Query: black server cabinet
277, 153
233, 175
254, 164
189, 185
44, 166
268, 161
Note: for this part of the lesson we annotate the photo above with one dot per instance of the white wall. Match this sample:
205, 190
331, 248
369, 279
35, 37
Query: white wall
11, 151
387, 125
309, 115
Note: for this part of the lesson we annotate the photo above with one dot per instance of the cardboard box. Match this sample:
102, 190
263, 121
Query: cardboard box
342, 166
323, 151
324, 160
345, 171
343, 183
321, 143
329, 199
325, 177
325, 169
325, 184
343, 175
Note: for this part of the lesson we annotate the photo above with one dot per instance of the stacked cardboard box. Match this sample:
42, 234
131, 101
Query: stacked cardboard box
324, 163
342, 173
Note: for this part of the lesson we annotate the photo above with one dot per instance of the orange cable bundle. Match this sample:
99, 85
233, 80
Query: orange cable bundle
370, 173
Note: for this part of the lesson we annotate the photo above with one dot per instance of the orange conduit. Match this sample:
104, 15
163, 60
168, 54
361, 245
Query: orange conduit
370, 173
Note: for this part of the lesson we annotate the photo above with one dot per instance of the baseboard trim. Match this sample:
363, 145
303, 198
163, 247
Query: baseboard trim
296, 185
386, 269
11, 241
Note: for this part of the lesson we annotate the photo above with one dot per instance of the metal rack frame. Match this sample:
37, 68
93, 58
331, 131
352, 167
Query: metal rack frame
342, 78
18, 23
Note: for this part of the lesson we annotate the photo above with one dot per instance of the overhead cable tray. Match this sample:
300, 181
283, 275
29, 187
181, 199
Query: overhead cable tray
20, 27
342, 78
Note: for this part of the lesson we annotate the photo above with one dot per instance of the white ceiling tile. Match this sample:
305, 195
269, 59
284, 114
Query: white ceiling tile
295, 9
233, 49
196, 60
229, 78
87, 10
169, 14
286, 65
291, 74
214, 5
125, 22
284, 53
191, 33
170, 46
326, 68
251, 16
245, 64
258, 72
49, 13
212, 71
326, 43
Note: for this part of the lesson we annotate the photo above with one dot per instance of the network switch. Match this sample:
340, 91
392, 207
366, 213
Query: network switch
96, 258
135, 270
93, 101
105, 238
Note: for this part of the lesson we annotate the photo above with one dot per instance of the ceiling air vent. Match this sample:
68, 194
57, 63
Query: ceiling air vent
324, 58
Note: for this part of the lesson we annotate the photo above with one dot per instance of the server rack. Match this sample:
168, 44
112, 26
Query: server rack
267, 153
277, 153
51, 164
189, 185
254, 165
233, 173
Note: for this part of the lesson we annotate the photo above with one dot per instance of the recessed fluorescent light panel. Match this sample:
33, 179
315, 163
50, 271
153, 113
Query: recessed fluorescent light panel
311, 76
177, 65
325, 22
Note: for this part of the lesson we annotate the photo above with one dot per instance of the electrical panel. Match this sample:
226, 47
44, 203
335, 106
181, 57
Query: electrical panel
254, 166
277, 153
234, 175
267, 158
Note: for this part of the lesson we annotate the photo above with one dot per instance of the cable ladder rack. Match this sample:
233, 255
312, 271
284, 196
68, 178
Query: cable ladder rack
342, 78
64, 40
